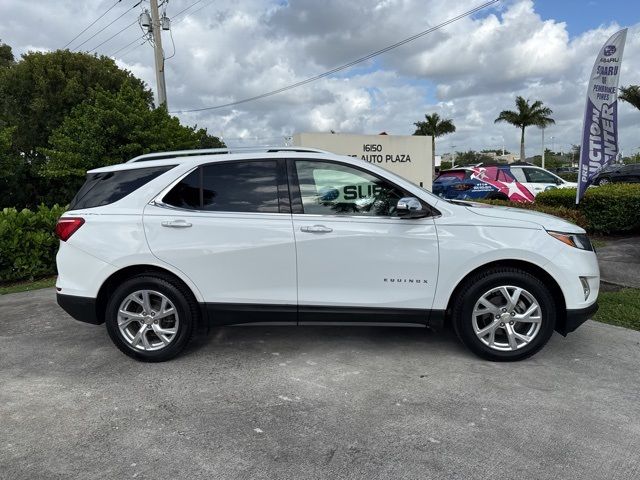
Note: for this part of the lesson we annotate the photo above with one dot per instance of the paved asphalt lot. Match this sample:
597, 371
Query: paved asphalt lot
311, 402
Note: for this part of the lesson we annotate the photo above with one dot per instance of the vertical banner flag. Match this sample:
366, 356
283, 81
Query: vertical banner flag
600, 131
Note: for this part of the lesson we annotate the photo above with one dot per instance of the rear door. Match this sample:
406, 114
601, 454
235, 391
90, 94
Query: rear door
357, 260
227, 226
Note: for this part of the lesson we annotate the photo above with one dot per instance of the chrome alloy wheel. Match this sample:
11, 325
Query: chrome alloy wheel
506, 318
148, 320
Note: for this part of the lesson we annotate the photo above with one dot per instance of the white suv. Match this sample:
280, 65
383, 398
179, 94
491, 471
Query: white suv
165, 243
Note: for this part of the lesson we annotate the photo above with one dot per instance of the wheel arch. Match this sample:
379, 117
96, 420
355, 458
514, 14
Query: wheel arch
116, 278
533, 269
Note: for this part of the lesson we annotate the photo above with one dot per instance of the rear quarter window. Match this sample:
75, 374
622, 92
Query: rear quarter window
108, 187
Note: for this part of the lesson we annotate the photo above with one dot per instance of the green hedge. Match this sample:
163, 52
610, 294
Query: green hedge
28, 244
613, 208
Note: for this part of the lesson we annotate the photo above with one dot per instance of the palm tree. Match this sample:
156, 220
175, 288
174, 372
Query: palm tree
434, 126
631, 94
527, 114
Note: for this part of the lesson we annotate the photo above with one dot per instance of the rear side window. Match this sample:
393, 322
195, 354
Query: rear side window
107, 187
229, 187
450, 176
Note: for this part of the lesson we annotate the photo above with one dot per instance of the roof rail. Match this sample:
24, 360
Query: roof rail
221, 151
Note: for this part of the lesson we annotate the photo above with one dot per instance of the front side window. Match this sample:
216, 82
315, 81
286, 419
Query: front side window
229, 187
539, 176
334, 189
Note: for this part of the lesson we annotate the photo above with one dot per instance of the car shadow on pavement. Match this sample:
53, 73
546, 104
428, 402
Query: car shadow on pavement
332, 339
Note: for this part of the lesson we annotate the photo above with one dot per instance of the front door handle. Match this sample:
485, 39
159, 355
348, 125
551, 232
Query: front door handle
176, 224
316, 229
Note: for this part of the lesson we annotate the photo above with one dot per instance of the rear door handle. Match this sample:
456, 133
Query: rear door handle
316, 229
176, 224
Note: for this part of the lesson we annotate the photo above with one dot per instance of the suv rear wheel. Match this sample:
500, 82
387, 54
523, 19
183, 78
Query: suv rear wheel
504, 314
151, 318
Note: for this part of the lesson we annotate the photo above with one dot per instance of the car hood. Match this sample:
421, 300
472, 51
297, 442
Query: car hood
548, 222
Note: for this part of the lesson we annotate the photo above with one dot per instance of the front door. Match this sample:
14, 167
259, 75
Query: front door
223, 227
355, 256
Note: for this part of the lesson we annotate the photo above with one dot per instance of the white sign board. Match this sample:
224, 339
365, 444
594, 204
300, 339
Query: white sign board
406, 155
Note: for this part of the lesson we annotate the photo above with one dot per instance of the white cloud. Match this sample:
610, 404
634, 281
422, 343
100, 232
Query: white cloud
468, 71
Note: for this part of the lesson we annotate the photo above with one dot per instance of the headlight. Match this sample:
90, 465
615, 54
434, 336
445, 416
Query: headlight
577, 240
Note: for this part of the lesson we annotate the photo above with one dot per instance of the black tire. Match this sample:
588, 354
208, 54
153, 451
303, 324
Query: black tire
603, 181
183, 301
476, 286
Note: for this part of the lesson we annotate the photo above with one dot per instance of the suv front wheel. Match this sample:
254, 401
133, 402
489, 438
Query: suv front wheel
504, 314
151, 318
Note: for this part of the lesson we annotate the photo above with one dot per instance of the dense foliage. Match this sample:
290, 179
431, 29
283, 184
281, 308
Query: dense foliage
28, 245
609, 209
62, 113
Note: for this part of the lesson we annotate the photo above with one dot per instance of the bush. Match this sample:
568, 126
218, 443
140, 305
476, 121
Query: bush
28, 244
558, 197
613, 208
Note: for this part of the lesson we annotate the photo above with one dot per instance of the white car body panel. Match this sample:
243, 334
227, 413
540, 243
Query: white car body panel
375, 262
233, 257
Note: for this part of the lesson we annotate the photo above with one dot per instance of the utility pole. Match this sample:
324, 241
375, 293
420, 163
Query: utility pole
542, 147
156, 31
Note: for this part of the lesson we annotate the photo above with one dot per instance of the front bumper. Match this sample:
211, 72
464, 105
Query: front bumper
80, 308
574, 318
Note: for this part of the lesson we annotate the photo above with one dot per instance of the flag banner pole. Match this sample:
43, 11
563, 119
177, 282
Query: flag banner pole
599, 145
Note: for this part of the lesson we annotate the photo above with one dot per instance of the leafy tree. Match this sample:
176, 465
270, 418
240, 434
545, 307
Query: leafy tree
37, 92
111, 129
471, 157
434, 126
526, 115
631, 94
6, 55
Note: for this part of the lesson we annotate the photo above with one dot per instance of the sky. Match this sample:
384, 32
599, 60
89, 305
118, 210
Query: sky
470, 70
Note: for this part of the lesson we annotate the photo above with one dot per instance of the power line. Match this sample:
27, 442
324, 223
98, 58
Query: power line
170, 32
132, 49
195, 11
185, 9
107, 26
113, 36
128, 45
91, 24
346, 65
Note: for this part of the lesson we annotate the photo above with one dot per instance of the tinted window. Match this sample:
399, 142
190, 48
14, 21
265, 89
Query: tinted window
334, 189
539, 176
240, 187
453, 175
105, 188
185, 194
229, 187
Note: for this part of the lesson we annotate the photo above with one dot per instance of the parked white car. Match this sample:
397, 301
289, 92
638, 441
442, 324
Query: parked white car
538, 179
166, 243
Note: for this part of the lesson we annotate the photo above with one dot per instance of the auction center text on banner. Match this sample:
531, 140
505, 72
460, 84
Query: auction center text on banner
600, 130
406, 155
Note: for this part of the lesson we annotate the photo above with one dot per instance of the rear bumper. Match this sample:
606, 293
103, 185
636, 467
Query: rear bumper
80, 308
575, 318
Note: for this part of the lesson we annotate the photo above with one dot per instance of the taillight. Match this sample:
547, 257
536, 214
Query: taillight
67, 226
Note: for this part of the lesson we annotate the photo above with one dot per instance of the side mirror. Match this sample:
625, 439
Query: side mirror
410, 207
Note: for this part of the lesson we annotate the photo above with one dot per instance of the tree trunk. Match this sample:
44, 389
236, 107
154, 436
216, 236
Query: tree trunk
522, 157
433, 160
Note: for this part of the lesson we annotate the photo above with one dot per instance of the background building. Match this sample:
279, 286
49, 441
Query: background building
406, 155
